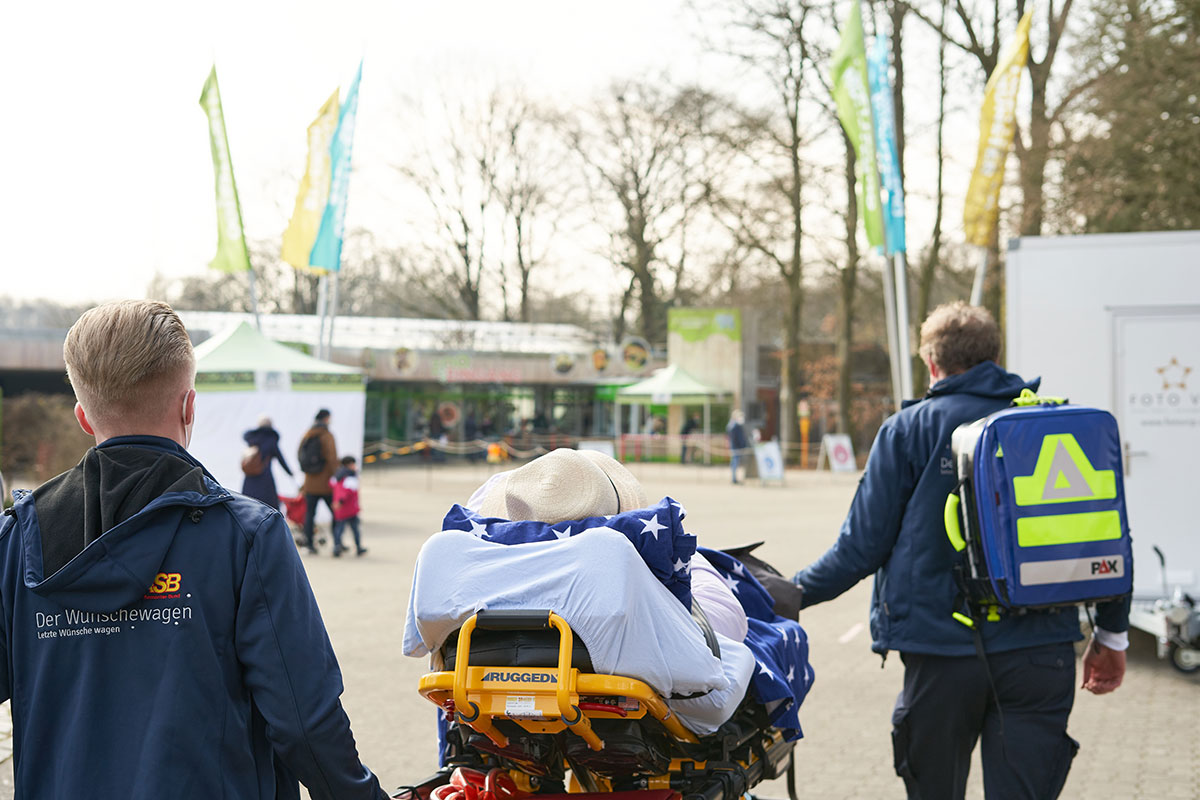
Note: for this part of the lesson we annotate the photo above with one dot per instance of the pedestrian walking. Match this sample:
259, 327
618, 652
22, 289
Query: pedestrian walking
738, 443
262, 448
1015, 697
690, 426
318, 461
345, 506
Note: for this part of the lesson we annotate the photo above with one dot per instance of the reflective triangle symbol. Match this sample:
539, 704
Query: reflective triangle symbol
1066, 481
1063, 474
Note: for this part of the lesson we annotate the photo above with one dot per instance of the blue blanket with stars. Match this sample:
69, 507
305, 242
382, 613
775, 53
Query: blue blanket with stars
782, 675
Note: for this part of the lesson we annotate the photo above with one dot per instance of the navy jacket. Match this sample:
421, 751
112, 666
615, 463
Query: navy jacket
159, 638
262, 486
895, 530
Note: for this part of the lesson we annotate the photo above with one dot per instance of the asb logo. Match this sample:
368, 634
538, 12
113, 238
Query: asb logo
521, 677
165, 583
1063, 474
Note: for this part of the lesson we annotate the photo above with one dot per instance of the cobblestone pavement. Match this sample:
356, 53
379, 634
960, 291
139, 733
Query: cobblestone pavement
1141, 743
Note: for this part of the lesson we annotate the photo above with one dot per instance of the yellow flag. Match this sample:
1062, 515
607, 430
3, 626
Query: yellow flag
314, 189
997, 122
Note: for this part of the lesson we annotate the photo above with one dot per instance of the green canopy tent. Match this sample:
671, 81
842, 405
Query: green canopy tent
241, 374
670, 386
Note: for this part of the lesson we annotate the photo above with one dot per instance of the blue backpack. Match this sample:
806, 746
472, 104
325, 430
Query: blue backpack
1038, 517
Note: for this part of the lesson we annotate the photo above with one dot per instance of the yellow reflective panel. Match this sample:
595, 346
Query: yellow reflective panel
1092, 526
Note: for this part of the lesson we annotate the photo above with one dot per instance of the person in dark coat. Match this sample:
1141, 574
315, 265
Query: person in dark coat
739, 444
262, 486
1014, 699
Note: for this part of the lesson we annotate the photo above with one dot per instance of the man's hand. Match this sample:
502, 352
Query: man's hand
1103, 668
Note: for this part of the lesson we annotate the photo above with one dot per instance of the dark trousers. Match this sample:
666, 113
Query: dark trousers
310, 514
947, 705
339, 526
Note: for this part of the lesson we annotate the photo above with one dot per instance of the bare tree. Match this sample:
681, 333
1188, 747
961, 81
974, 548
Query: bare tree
932, 259
456, 242
984, 35
765, 214
848, 286
639, 148
531, 186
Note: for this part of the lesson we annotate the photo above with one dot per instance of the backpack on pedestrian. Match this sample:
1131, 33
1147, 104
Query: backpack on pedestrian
253, 462
312, 460
1038, 516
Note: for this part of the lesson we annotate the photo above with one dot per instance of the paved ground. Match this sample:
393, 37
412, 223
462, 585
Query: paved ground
1137, 744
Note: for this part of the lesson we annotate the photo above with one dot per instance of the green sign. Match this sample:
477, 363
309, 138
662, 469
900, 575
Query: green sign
697, 324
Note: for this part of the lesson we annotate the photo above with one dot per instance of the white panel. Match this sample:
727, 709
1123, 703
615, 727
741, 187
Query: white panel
1096, 317
1072, 570
222, 418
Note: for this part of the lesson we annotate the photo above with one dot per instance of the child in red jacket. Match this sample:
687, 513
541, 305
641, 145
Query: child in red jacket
345, 505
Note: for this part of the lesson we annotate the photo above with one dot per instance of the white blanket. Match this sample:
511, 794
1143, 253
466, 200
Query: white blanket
599, 584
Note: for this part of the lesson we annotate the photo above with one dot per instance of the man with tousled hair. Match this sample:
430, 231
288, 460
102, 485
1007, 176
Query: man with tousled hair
894, 529
158, 633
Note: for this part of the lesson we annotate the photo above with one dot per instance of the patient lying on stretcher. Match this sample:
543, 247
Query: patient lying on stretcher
572, 531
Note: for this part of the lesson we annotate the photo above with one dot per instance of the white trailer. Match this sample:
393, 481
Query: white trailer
1113, 321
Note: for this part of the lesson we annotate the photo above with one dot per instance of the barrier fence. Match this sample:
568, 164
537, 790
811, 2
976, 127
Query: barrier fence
630, 447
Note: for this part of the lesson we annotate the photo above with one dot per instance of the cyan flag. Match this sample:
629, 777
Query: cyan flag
885, 143
327, 249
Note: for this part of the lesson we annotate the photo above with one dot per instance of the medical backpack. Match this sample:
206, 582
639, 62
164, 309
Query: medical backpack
1038, 516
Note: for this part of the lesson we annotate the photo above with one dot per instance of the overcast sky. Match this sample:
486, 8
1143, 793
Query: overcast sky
108, 174
107, 171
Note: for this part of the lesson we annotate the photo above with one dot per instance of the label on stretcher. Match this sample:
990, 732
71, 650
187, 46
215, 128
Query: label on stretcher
520, 705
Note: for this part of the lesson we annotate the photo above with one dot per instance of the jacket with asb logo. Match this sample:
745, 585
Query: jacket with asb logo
895, 529
159, 637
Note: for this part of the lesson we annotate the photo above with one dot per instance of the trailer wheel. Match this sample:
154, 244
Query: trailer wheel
1185, 659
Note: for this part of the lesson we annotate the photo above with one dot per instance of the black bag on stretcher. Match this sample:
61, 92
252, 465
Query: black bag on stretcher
1038, 517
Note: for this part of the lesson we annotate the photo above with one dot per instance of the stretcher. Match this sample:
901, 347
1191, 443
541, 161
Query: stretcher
525, 716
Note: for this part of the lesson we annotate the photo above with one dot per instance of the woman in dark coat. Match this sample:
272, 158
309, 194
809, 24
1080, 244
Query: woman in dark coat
262, 486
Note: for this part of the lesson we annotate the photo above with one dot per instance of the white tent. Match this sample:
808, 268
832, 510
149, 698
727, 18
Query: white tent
671, 385
241, 375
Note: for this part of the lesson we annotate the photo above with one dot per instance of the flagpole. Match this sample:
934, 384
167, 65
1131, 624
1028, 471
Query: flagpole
906, 379
889, 308
250, 269
980, 273
254, 301
321, 305
333, 309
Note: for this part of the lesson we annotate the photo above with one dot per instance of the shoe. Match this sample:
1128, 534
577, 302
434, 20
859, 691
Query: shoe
312, 551
361, 551
338, 553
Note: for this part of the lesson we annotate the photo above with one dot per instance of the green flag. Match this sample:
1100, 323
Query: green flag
231, 240
849, 80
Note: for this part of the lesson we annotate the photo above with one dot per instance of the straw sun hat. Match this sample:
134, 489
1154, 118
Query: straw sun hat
563, 485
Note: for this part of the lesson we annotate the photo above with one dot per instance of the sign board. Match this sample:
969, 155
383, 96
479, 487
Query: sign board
599, 445
839, 451
769, 460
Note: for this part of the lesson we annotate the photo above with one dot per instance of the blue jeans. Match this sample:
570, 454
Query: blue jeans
735, 458
339, 526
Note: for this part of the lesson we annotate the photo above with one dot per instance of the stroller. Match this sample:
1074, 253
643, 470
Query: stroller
294, 510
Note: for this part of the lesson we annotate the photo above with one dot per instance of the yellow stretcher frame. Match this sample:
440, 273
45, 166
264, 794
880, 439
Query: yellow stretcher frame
539, 699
